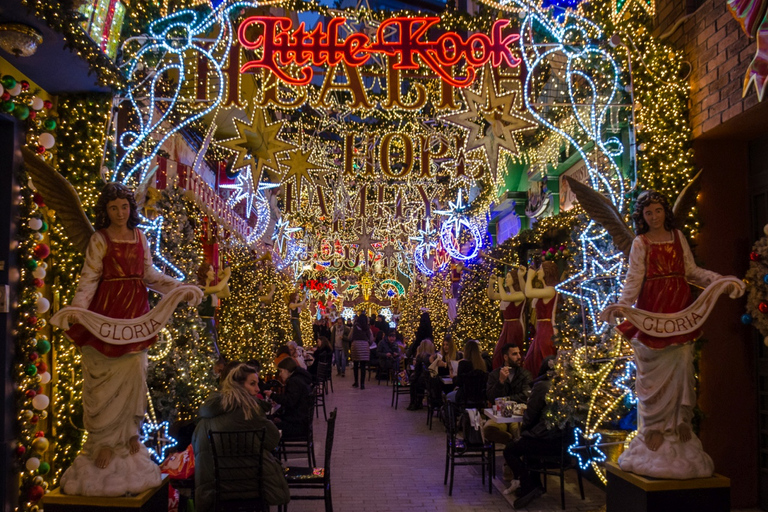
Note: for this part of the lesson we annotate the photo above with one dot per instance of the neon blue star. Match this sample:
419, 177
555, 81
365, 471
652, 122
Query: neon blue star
590, 447
153, 230
157, 435
626, 381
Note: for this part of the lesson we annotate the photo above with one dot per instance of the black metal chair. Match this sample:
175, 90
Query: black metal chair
401, 384
237, 464
325, 378
312, 477
460, 451
556, 465
305, 444
472, 390
323, 375
435, 398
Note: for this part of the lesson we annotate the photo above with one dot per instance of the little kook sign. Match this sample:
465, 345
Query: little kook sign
404, 39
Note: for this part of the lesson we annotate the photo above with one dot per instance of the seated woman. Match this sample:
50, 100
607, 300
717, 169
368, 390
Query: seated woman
323, 352
536, 439
296, 399
425, 356
447, 363
235, 408
297, 352
472, 368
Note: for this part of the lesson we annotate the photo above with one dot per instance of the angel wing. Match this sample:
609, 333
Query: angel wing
602, 211
686, 200
60, 195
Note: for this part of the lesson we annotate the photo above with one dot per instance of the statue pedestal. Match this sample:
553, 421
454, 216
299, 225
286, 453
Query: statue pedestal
628, 492
151, 500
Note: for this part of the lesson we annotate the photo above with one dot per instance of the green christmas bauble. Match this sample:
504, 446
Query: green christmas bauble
43, 346
44, 468
49, 124
8, 82
8, 106
30, 370
21, 112
32, 264
44, 228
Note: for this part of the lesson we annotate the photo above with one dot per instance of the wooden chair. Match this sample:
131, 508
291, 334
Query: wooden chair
237, 464
556, 465
461, 452
301, 444
312, 477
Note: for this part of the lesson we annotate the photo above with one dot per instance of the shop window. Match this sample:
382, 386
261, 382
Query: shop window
104, 19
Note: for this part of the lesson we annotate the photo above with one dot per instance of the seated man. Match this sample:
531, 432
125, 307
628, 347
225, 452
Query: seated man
536, 439
389, 352
511, 381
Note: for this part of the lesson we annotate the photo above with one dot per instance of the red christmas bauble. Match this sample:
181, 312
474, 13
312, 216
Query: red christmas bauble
40, 150
20, 450
24, 85
39, 433
5, 96
38, 199
33, 356
41, 251
35, 493
754, 256
39, 283
32, 320
763, 307
32, 114
47, 104
34, 419
42, 367
31, 393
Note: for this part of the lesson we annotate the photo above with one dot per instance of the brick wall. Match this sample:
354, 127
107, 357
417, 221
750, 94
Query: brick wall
719, 53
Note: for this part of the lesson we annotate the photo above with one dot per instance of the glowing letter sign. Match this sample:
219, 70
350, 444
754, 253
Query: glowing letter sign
281, 46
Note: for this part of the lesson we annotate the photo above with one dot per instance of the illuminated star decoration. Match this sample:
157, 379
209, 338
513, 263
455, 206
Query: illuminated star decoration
598, 281
626, 381
245, 190
620, 7
153, 230
428, 240
257, 144
490, 121
365, 243
586, 448
299, 167
283, 234
156, 434
452, 226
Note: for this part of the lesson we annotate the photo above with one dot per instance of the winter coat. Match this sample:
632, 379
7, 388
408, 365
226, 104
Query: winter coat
516, 389
295, 403
214, 417
361, 344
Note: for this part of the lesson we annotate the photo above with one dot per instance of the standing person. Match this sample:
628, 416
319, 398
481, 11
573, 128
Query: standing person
212, 293
294, 310
545, 303
337, 335
113, 283
323, 352
362, 339
234, 408
512, 305
424, 331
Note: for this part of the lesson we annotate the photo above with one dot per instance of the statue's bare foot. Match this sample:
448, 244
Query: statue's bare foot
134, 445
653, 439
684, 432
103, 458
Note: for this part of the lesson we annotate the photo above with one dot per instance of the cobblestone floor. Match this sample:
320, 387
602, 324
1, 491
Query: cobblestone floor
388, 460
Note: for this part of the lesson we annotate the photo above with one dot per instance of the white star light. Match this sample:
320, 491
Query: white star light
244, 191
454, 213
283, 233
157, 435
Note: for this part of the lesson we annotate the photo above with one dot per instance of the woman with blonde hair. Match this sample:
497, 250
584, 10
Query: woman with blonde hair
425, 356
235, 408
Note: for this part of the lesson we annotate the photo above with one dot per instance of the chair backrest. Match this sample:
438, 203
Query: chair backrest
473, 389
435, 390
323, 370
237, 463
452, 411
329, 445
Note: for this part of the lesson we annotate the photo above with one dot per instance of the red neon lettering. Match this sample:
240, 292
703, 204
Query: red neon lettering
281, 46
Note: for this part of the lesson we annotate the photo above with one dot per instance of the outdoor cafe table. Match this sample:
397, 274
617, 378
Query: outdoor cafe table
502, 419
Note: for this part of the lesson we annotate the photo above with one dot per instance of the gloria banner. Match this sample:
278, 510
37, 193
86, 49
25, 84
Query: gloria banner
665, 325
117, 331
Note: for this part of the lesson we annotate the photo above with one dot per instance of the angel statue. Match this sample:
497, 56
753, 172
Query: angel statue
661, 327
511, 299
112, 325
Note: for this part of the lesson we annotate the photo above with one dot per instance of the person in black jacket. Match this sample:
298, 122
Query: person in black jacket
295, 401
511, 381
536, 439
